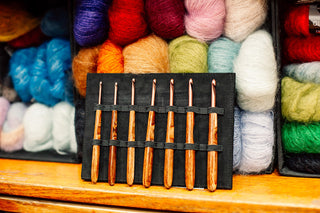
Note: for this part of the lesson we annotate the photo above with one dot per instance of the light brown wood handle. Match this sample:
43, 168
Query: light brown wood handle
190, 154
148, 152
212, 164
131, 150
169, 153
96, 148
113, 149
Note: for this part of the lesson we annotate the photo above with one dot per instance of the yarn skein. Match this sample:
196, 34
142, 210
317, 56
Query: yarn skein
301, 138
4, 107
91, 22
166, 17
204, 20
221, 54
15, 21
237, 146
300, 101
38, 117
84, 62
256, 73
33, 38
188, 55
301, 49
63, 133
55, 23
257, 135
147, 55
110, 58
127, 21
244, 17
12, 135
305, 72
296, 21
306, 163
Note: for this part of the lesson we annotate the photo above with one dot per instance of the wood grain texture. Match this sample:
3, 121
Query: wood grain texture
212, 164
255, 193
169, 153
113, 149
96, 148
131, 150
148, 152
190, 167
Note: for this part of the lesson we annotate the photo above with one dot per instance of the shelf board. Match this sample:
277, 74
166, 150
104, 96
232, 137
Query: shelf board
62, 182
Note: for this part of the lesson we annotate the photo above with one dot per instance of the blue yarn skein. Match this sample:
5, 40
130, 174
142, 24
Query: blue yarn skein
221, 54
305, 72
55, 23
19, 71
237, 144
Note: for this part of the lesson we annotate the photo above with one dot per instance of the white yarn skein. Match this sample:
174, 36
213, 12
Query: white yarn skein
37, 122
243, 17
237, 144
62, 131
257, 135
305, 72
14, 116
256, 73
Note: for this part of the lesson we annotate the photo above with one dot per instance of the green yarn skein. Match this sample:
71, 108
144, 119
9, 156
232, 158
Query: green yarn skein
188, 55
301, 138
300, 101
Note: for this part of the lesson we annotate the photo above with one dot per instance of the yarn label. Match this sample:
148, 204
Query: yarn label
314, 19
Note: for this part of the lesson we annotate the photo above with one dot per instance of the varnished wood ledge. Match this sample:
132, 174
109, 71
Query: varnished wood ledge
61, 181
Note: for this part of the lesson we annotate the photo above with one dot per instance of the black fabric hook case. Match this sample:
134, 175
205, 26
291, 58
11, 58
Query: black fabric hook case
225, 95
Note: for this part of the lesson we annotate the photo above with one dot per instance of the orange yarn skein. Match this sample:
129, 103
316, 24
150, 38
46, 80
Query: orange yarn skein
110, 58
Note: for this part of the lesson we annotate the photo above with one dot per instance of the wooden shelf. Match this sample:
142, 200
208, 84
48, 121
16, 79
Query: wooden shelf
62, 182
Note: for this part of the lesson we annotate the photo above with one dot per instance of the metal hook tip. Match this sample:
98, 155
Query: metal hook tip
214, 83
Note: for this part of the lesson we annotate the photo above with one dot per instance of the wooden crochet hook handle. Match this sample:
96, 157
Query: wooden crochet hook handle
113, 136
169, 153
212, 164
190, 154
96, 148
131, 138
148, 151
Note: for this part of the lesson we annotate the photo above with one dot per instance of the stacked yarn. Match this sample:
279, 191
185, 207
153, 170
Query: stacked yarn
56, 128
127, 21
237, 139
296, 22
256, 73
83, 63
110, 58
166, 17
188, 55
147, 55
55, 23
205, 19
40, 73
244, 17
4, 107
305, 72
33, 38
305, 163
91, 22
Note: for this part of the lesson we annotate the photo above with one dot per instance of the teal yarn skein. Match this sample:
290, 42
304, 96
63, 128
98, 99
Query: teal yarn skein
305, 72
221, 54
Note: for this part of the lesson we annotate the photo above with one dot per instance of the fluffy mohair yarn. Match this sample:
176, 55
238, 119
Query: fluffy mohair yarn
221, 54
306, 163
256, 73
55, 22
12, 135
243, 17
86, 61
188, 55
300, 101
4, 107
166, 17
257, 135
110, 58
204, 20
301, 137
237, 146
37, 123
147, 55
127, 21
296, 21
91, 22
305, 72
33, 38
63, 132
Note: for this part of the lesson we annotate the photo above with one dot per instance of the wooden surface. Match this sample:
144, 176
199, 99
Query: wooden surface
61, 181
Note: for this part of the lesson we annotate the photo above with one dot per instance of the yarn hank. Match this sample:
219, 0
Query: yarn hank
296, 21
306, 163
55, 23
237, 145
110, 58
305, 72
33, 38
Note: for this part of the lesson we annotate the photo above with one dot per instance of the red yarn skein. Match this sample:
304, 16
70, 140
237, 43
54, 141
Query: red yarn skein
127, 21
33, 38
166, 17
302, 49
296, 21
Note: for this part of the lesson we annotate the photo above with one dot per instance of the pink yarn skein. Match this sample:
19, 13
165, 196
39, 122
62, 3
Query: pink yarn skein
4, 107
204, 20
